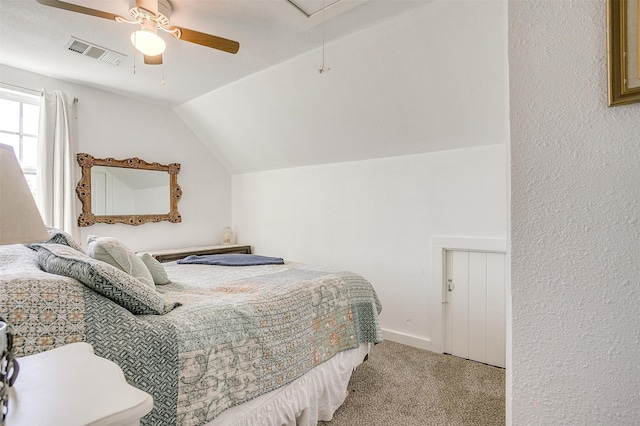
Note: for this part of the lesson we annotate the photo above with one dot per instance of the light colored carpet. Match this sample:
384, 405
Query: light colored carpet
402, 385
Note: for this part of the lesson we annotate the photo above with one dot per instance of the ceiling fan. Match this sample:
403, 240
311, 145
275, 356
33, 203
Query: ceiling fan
152, 15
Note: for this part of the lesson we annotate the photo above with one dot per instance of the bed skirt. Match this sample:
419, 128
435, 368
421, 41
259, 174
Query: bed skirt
303, 402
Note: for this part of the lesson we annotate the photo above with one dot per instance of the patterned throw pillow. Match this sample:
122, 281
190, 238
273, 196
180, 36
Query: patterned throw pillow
116, 254
103, 278
157, 270
58, 236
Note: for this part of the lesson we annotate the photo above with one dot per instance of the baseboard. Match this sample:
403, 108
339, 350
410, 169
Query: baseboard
406, 339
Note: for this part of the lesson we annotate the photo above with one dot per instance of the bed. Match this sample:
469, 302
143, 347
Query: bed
269, 344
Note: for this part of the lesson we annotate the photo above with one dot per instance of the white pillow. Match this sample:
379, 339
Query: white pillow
113, 252
157, 270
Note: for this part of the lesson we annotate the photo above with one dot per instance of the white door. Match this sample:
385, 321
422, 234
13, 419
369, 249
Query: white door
475, 306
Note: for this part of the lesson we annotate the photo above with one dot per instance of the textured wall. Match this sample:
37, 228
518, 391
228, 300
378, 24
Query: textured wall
575, 231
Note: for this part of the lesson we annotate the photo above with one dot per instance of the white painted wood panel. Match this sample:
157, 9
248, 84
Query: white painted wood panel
459, 304
448, 312
475, 306
496, 306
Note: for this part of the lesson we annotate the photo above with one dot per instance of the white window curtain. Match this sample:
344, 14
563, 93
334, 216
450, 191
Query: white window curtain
56, 180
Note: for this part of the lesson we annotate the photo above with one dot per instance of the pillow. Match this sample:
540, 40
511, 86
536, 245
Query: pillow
157, 270
116, 254
105, 279
58, 236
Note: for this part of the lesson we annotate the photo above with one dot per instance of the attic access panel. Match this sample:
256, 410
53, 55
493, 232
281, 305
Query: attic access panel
311, 10
309, 7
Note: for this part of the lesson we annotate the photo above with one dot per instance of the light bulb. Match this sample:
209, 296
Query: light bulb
148, 42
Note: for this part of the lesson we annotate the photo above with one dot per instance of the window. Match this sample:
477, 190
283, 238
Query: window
19, 116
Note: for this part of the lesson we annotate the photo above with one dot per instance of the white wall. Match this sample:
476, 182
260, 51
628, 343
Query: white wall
334, 168
113, 126
575, 234
376, 218
151, 200
428, 80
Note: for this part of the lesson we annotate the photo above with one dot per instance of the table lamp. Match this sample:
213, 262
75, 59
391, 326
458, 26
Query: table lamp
20, 222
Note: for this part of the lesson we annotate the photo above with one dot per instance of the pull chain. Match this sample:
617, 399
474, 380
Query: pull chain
322, 68
134, 54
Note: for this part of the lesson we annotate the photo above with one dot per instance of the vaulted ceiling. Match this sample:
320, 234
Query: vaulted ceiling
406, 76
430, 79
33, 37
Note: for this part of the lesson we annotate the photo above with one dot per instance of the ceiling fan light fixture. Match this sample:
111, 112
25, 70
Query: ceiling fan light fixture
151, 15
148, 42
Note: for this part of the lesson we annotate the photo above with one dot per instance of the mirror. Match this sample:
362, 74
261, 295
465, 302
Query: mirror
129, 191
118, 191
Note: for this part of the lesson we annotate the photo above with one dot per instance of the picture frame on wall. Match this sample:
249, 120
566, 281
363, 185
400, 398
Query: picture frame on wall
623, 51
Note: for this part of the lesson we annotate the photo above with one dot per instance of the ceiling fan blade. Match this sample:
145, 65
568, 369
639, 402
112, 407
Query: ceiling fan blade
153, 60
207, 40
79, 9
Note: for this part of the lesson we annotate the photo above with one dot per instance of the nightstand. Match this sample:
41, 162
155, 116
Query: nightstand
169, 255
70, 386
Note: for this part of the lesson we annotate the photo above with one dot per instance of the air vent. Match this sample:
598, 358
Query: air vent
94, 51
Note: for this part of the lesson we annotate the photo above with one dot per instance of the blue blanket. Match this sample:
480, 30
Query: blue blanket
233, 259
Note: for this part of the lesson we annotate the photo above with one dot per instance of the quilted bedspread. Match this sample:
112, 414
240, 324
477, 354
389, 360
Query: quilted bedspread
239, 333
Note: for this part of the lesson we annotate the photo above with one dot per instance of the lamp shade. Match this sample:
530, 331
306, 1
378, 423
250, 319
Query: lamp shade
20, 220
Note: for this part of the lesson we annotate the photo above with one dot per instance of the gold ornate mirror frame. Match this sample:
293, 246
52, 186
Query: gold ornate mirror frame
623, 39
83, 189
